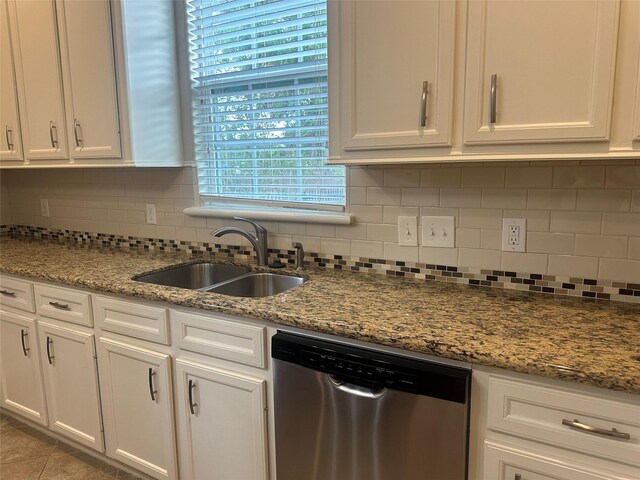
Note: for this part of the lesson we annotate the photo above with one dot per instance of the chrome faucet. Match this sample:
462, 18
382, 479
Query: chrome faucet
299, 255
259, 240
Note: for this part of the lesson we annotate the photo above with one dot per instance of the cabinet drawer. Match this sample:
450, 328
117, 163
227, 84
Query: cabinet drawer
132, 319
506, 463
17, 294
64, 304
221, 338
536, 412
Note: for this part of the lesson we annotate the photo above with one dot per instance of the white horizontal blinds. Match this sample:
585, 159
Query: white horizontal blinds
260, 88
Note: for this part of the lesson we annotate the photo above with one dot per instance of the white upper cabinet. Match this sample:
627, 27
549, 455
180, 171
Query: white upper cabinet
96, 81
89, 78
540, 71
39, 80
396, 73
10, 141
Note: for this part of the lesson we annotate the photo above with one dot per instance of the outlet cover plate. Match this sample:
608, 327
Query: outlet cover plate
151, 213
408, 231
514, 234
438, 232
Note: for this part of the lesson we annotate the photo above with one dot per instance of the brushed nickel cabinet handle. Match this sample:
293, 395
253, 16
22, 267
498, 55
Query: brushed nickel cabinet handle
54, 140
576, 424
49, 356
493, 94
8, 293
423, 104
61, 306
23, 335
192, 406
9, 134
76, 128
152, 392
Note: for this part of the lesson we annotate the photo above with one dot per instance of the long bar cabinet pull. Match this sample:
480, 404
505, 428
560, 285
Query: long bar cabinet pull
24, 334
597, 430
192, 405
8, 293
424, 107
61, 306
54, 139
152, 391
493, 94
9, 134
49, 356
76, 127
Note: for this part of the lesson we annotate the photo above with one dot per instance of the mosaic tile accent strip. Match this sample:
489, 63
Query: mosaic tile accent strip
524, 281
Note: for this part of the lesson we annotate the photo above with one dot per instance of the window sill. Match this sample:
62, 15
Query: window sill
268, 213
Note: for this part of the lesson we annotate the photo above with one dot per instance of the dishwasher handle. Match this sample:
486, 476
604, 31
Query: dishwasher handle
354, 389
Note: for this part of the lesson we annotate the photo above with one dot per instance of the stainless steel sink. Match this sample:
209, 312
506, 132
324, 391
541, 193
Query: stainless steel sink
195, 276
257, 285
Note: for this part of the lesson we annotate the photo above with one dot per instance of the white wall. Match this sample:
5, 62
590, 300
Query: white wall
583, 218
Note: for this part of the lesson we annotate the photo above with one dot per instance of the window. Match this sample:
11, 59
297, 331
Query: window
259, 71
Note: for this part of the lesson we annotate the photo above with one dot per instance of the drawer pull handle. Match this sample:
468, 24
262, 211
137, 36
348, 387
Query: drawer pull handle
61, 306
8, 293
23, 335
599, 431
424, 108
192, 406
49, 356
152, 391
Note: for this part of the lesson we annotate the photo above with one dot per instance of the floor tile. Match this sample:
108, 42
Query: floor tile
27, 470
122, 475
9, 422
19, 444
69, 467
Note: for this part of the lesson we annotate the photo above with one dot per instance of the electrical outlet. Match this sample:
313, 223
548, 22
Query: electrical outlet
44, 207
438, 232
514, 234
151, 213
408, 231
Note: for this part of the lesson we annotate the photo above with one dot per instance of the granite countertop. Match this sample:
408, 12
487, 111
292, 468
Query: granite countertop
585, 341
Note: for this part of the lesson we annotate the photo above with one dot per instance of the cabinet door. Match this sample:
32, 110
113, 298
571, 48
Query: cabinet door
10, 142
389, 49
553, 63
90, 80
507, 463
138, 407
71, 383
22, 390
38, 75
223, 422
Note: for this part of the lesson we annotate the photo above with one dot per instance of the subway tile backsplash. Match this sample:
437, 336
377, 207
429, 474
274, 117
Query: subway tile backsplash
583, 219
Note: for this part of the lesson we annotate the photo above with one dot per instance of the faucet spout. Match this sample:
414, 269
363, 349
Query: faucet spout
258, 241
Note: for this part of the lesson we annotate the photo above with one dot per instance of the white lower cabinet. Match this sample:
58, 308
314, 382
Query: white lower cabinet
71, 382
505, 463
138, 407
22, 390
223, 421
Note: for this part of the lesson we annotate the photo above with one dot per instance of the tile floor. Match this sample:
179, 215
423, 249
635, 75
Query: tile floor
27, 454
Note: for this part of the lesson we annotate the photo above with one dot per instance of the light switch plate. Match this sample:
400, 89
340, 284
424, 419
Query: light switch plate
514, 234
438, 232
408, 231
44, 207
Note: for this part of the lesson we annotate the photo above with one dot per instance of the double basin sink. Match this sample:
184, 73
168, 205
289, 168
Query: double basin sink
234, 280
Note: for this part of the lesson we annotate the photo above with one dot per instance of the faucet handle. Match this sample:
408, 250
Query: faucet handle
259, 228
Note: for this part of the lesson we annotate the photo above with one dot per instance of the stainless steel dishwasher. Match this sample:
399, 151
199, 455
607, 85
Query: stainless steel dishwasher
349, 413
